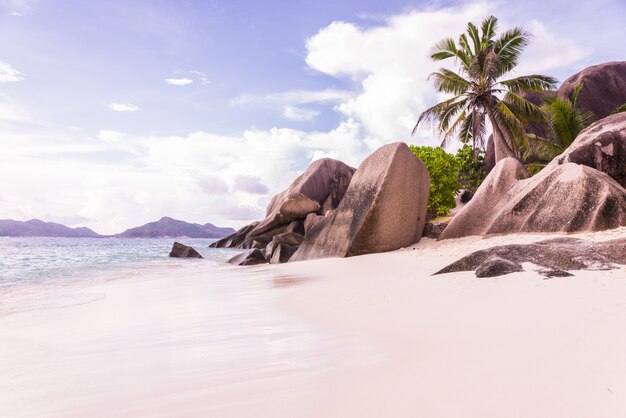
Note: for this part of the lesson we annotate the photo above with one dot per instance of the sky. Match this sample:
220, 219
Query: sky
116, 113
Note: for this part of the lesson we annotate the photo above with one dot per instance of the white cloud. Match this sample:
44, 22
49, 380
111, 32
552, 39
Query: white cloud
299, 113
293, 97
202, 77
227, 179
123, 107
390, 62
16, 7
179, 81
9, 74
11, 111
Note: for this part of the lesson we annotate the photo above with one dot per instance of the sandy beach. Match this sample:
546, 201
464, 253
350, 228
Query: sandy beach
369, 336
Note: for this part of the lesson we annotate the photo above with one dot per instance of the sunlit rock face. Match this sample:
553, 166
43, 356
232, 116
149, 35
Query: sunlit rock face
383, 209
580, 190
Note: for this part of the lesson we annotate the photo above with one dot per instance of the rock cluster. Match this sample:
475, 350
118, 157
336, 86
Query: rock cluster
383, 209
554, 256
580, 190
603, 90
331, 210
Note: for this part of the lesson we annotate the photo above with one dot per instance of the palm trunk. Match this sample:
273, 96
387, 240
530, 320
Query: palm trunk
500, 144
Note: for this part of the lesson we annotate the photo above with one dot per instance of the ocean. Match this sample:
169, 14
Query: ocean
33, 267
114, 327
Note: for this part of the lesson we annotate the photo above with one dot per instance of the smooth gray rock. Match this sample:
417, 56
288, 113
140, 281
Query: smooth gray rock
601, 146
249, 258
383, 209
554, 254
603, 88
497, 266
562, 198
183, 251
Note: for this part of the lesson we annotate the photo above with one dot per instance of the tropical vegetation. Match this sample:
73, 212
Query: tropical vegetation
471, 167
443, 169
480, 92
563, 122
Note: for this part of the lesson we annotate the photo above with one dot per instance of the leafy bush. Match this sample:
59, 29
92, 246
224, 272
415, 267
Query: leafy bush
534, 168
444, 184
471, 168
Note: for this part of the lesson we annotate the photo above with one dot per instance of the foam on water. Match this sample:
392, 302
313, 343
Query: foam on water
46, 272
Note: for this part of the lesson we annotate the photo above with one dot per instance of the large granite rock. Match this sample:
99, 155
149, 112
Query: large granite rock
249, 258
497, 266
383, 209
601, 146
556, 255
603, 88
183, 251
323, 184
568, 198
239, 239
319, 189
580, 190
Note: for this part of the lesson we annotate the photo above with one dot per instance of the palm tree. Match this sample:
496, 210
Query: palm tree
480, 94
564, 121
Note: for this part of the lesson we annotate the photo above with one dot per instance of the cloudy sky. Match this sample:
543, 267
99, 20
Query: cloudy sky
115, 113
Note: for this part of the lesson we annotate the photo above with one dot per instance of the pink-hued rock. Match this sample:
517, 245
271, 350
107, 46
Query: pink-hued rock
603, 88
601, 146
567, 198
383, 209
321, 186
323, 183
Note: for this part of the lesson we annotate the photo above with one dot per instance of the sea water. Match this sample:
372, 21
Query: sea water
34, 271
114, 327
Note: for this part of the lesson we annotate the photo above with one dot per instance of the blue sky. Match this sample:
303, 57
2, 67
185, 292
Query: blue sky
113, 113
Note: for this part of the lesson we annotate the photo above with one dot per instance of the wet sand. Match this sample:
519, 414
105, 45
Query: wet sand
370, 336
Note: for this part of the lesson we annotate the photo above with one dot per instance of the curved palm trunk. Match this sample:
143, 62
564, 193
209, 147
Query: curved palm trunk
500, 144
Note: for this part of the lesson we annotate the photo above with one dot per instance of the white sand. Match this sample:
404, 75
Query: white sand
371, 336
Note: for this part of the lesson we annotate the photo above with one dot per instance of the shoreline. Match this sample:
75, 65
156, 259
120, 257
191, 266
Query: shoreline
366, 336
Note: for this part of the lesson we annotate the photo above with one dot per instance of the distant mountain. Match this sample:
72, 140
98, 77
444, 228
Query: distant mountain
173, 228
37, 228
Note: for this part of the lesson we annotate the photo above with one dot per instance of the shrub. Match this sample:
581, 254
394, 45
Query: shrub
444, 184
471, 168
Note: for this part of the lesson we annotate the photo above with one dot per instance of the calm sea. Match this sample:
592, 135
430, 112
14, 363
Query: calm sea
114, 327
44, 270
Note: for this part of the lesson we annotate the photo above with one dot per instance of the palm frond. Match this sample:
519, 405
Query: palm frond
437, 112
509, 46
510, 124
472, 31
565, 121
447, 48
619, 109
542, 148
525, 108
449, 134
448, 81
534, 82
488, 29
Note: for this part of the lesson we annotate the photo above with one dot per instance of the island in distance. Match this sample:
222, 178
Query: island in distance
163, 228
173, 228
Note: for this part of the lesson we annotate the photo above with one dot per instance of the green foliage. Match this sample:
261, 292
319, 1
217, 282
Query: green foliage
471, 167
444, 184
619, 109
479, 91
534, 168
564, 120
